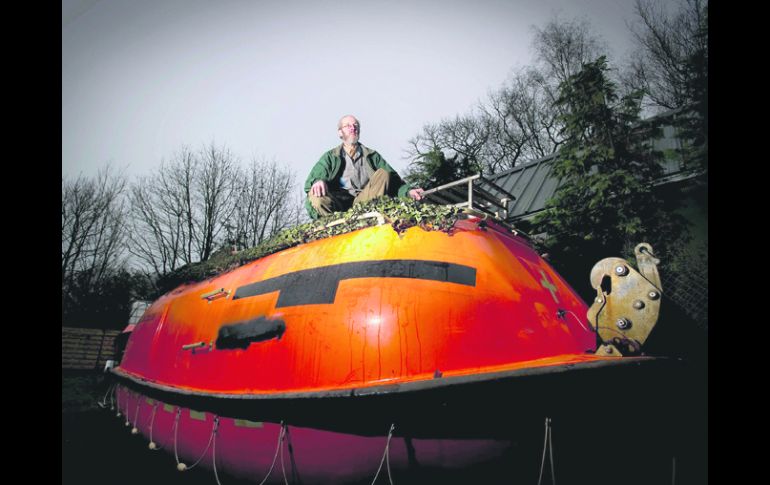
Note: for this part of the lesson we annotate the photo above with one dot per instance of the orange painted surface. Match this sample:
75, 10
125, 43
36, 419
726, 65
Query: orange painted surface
378, 330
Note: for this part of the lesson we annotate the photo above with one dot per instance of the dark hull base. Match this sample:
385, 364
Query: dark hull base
496, 407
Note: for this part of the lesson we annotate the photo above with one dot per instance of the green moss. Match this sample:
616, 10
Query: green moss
400, 214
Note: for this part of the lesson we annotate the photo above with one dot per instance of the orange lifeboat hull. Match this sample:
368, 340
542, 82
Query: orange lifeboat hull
457, 339
370, 308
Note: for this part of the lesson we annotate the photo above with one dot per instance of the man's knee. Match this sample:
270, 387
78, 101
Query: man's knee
322, 205
327, 204
378, 186
381, 177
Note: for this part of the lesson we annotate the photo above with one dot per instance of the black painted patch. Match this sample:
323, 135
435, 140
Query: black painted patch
319, 285
241, 335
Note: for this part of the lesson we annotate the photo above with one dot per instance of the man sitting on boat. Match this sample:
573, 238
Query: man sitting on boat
350, 174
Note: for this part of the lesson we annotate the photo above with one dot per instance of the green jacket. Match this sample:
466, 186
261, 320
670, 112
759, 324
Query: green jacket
329, 168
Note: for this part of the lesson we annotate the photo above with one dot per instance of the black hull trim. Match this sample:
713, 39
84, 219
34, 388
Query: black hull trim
492, 405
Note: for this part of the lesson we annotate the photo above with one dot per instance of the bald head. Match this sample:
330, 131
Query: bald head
349, 129
347, 119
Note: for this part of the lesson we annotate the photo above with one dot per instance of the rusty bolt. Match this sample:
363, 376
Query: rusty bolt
638, 304
621, 270
609, 350
623, 323
653, 295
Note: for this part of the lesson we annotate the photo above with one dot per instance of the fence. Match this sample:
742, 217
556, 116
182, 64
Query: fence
687, 287
86, 348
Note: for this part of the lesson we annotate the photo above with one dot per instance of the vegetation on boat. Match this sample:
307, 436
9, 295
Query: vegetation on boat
400, 214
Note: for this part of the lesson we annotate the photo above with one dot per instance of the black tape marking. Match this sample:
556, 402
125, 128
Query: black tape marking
240, 335
319, 285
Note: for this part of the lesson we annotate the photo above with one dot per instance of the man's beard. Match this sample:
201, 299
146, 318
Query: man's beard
350, 140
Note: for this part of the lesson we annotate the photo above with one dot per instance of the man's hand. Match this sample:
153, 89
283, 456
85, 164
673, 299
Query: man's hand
416, 194
319, 188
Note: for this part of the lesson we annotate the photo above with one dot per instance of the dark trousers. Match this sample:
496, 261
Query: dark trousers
341, 200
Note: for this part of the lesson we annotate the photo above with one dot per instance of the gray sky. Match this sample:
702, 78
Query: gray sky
270, 78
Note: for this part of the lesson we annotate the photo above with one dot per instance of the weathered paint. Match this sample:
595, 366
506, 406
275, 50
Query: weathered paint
248, 424
375, 330
201, 416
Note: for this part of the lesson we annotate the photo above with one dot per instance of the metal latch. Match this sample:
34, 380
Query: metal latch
627, 302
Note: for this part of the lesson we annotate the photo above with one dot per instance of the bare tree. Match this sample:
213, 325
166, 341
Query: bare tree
519, 122
462, 138
200, 202
264, 205
163, 230
216, 189
506, 138
93, 228
180, 210
523, 121
671, 54
562, 47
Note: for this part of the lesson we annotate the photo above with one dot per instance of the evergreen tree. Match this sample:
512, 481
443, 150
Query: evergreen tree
605, 204
433, 168
106, 305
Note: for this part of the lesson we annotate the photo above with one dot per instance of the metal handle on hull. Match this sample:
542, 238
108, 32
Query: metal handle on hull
213, 295
194, 346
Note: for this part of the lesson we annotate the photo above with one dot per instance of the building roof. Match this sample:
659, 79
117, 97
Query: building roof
533, 183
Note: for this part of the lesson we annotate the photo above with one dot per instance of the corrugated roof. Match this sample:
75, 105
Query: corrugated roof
532, 183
